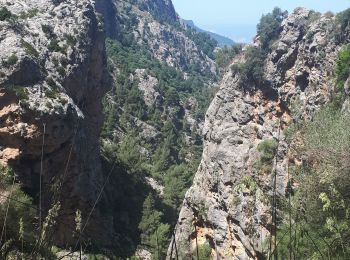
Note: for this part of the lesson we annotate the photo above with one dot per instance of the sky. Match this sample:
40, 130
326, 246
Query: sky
237, 19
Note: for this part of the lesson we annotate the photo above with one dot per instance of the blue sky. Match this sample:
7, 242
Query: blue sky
237, 19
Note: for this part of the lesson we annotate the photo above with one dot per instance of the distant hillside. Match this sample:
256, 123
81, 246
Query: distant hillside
222, 40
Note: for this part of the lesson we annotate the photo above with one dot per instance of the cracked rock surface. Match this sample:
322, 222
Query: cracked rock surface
228, 203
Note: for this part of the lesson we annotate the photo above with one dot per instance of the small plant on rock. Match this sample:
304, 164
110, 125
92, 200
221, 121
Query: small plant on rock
5, 14
12, 60
30, 50
267, 149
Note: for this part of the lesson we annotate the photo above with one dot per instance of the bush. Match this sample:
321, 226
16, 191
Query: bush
343, 66
269, 27
21, 92
54, 46
267, 149
20, 216
61, 71
50, 81
247, 185
47, 29
70, 39
12, 60
204, 252
52, 93
30, 14
224, 56
30, 50
252, 71
5, 14
321, 204
343, 18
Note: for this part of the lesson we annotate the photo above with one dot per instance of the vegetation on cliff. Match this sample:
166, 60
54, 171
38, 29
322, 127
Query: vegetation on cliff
319, 209
170, 151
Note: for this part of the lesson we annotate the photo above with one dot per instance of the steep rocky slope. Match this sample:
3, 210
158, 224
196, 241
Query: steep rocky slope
162, 72
229, 203
52, 79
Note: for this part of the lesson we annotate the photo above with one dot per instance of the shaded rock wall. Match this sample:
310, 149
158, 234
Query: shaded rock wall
57, 80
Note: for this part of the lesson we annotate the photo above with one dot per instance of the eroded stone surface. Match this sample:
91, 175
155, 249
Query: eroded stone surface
52, 79
234, 219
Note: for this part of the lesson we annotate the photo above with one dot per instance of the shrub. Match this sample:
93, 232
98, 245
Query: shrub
30, 50
269, 27
343, 18
321, 204
61, 71
204, 252
47, 29
343, 66
12, 60
225, 55
54, 46
21, 92
30, 14
50, 81
70, 40
252, 71
247, 185
19, 213
267, 149
5, 14
51, 93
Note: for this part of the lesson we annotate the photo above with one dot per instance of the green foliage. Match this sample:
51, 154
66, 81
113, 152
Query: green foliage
224, 56
204, 42
167, 157
247, 185
252, 71
267, 149
12, 60
204, 252
21, 92
61, 71
96, 257
70, 39
343, 18
5, 14
153, 232
343, 67
54, 46
51, 82
269, 27
321, 205
19, 213
47, 29
30, 14
129, 154
30, 50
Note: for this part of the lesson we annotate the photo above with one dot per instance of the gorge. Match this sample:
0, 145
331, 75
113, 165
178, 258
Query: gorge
127, 134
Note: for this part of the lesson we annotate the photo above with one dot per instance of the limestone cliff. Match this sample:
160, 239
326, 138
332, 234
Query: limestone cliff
52, 79
229, 201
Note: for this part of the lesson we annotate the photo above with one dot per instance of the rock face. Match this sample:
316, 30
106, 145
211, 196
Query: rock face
52, 80
152, 25
228, 203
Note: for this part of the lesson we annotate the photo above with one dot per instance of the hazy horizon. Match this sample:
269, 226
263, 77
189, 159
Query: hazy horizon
237, 20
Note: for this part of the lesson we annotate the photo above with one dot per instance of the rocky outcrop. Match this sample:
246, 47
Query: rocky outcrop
52, 79
152, 24
228, 203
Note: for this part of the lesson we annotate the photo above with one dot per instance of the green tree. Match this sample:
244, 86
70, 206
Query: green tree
269, 27
154, 233
343, 66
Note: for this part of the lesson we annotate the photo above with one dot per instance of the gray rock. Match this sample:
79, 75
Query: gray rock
229, 191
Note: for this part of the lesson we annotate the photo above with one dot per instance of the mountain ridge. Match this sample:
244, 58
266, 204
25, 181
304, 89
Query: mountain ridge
222, 40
